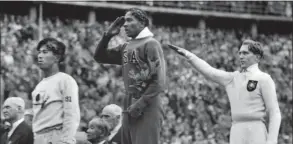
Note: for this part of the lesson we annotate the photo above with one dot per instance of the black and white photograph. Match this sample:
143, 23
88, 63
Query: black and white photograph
146, 72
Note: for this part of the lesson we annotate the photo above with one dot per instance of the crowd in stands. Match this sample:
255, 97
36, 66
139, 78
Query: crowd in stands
196, 110
277, 8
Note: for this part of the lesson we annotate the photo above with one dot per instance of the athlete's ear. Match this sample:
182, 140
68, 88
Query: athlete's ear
258, 58
57, 58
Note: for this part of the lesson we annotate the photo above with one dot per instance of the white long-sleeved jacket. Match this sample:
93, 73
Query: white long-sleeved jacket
56, 102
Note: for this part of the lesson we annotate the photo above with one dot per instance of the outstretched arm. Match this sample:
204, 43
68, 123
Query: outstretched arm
216, 75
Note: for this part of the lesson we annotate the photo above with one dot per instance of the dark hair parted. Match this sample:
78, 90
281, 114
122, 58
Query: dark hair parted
57, 47
140, 15
254, 46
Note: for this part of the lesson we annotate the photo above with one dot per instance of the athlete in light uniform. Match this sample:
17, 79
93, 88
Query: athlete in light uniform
56, 113
251, 92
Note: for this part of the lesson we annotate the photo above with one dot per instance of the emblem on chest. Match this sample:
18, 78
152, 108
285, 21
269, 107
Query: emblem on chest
251, 85
40, 98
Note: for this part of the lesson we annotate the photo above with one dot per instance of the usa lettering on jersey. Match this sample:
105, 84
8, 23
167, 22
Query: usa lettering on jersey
125, 57
131, 59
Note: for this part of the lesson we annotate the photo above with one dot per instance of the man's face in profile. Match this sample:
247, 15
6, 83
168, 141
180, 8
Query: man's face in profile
110, 117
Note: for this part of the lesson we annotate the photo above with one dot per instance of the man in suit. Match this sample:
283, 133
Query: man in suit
113, 115
19, 132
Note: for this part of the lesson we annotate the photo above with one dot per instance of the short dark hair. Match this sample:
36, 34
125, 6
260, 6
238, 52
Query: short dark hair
52, 44
254, 46
140, 15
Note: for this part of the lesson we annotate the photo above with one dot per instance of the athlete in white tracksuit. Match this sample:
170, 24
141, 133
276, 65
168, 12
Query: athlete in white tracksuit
251, 92
56, 113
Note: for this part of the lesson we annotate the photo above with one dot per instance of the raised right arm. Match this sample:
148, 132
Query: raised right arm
216, 75
112, 55
105, 55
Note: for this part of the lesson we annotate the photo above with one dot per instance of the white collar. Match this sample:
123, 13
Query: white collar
14, 126
253, 68
144, 33
102, 142
115, 130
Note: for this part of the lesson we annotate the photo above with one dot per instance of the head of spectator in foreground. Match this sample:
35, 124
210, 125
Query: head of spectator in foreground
13, 109
98, 130
50, 53
135, 21
112, 114
250, 53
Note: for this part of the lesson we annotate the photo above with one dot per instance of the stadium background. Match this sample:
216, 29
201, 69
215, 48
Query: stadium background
197, 111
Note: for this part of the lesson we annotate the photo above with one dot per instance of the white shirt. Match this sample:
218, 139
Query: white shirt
56, 102
246, 94
14, 126
102, 142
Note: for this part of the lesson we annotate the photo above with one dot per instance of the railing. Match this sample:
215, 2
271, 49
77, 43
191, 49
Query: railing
254, 10
276, 8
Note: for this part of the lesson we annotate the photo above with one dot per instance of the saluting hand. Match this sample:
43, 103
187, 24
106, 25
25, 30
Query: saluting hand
115, 27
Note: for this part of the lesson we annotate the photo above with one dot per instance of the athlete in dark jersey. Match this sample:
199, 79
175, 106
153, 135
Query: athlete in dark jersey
144, 74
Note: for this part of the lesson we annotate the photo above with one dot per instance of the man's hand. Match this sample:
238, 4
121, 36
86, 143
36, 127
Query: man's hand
114, 28
136, 109
134, 112
179, 50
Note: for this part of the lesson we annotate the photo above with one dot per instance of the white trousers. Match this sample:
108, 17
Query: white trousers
254, 132
52, 137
